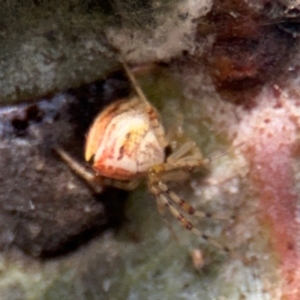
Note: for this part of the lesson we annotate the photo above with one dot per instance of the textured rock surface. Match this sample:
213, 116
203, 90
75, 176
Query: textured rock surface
46, 210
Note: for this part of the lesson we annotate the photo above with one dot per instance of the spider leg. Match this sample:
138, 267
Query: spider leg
95, 182
141, 95
187, 163
185, 148
135, 84
166, 200
190, 161
185, 206
179, 159
161, 209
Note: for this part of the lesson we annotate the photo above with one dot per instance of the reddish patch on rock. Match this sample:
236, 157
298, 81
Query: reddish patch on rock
248, 48
270, 152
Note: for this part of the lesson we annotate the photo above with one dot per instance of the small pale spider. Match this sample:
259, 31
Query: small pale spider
127, 142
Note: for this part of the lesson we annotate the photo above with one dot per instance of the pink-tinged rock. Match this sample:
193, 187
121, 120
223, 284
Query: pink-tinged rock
270, 133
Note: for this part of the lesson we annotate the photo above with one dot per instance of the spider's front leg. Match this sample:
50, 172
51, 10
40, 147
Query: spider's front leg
186, 157
96, 182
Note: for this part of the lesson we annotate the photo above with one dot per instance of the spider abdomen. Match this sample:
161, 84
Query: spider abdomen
125, 140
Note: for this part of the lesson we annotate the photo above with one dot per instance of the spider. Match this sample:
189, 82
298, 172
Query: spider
126, 143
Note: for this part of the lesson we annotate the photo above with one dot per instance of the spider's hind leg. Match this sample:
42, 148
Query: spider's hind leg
186, 207
171, 200
162, 211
